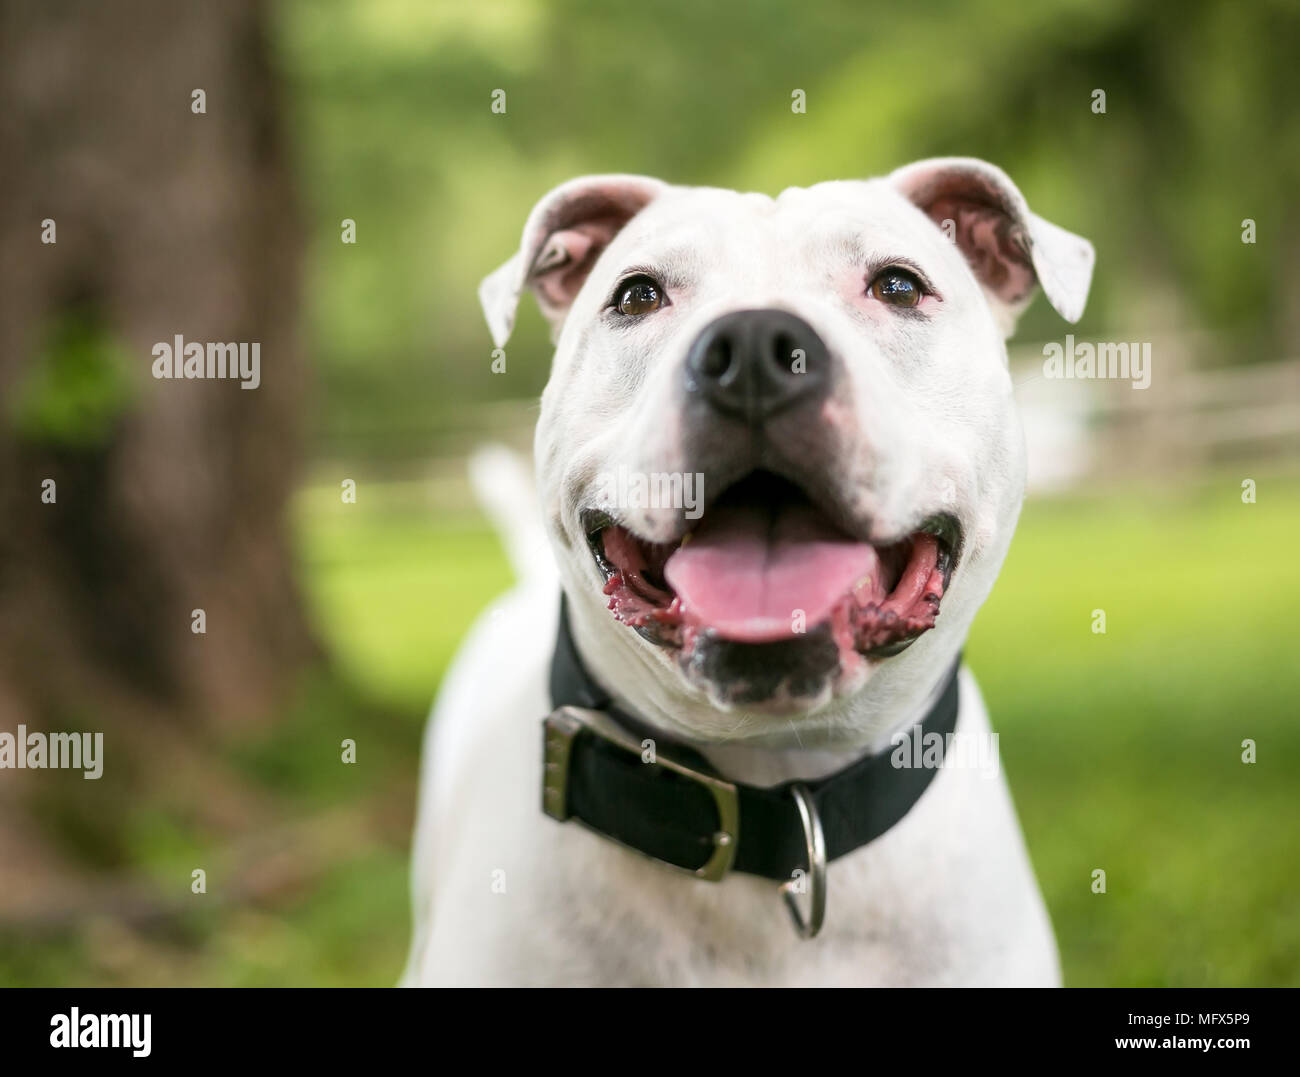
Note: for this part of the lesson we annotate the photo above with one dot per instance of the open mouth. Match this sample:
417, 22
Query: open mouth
765, 565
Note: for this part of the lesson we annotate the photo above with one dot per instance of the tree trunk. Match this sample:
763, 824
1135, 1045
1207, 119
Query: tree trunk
168, 495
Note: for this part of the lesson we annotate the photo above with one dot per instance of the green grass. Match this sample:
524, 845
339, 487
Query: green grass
395, 588
1124, 749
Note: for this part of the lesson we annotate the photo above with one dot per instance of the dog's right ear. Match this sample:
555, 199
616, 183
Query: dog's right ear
1009, 249
565, 234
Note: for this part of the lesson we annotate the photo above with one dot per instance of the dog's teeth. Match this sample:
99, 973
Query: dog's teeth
685, 539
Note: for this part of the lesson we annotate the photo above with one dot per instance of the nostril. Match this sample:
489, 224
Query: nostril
784, 347
717, 359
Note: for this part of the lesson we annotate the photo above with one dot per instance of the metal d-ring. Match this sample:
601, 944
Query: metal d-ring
816, 847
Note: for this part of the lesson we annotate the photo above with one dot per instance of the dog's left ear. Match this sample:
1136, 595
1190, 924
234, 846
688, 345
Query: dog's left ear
1009, 248
565, 234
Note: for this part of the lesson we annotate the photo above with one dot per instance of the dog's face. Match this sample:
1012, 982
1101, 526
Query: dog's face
778, 451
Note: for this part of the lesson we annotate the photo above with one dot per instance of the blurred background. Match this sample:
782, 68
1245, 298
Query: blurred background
328, 620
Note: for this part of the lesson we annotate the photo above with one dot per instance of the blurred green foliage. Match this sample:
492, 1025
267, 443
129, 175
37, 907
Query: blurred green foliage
391, 109
76, 388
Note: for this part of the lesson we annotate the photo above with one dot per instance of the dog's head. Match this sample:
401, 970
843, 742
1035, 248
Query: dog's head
778, 451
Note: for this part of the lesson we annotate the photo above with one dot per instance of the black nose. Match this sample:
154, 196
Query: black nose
752, 364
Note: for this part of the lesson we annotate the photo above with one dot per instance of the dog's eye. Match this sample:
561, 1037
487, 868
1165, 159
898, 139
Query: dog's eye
638, 295
897, 287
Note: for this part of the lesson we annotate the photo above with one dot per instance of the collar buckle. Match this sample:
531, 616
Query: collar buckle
561, 728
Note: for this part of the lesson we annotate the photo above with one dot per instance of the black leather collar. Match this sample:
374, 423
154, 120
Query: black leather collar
664, 812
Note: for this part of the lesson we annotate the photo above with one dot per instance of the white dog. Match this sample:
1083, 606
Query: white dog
779, 466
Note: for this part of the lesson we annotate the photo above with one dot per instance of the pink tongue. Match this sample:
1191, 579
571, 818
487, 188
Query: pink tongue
744, 574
